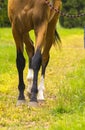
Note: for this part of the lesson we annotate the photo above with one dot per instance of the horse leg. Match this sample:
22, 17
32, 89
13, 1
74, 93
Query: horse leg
45, 60
20, 63
30, 51
36, 61
41, 86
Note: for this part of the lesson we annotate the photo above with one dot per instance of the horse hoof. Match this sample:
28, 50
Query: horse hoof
20, 102
32, 104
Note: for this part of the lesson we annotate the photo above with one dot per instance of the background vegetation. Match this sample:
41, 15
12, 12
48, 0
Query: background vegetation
68, 6
64, 108
73, 7
4, 21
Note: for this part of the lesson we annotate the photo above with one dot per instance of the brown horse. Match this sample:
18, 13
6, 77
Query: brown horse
24, 16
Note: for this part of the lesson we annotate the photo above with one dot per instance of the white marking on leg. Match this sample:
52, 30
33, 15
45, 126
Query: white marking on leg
30, 80
41, 88
30, 74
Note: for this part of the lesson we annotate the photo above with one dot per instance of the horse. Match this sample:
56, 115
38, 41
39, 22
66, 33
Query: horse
24, 16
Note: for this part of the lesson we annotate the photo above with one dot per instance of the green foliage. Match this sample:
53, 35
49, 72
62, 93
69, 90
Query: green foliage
73, 7
4, 21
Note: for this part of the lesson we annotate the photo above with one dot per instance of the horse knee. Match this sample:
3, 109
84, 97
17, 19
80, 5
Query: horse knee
20, 61
36, 60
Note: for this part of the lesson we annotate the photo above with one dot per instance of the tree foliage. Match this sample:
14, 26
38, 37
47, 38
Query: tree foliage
73, 7
4, 21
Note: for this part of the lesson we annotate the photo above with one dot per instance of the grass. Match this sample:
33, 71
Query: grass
64, 108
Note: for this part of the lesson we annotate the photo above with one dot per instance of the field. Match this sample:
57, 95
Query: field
64, 108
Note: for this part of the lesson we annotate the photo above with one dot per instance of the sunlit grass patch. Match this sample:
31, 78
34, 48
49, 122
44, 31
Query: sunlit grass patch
71, 96
64, 108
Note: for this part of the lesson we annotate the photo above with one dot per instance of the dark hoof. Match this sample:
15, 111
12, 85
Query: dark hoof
33, 104
20, 102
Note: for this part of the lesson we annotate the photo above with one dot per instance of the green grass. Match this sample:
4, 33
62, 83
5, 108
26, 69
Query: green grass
72, 31
7, 36
64, 108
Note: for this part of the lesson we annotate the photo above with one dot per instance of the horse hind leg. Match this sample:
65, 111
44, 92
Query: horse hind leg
20, 63
41, 89
30, 51
41, 86
45, 60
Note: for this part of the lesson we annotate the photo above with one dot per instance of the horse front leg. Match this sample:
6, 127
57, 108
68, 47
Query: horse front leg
36, 63
20, 63
40, 33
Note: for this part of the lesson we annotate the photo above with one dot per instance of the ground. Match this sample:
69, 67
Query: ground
64, 108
